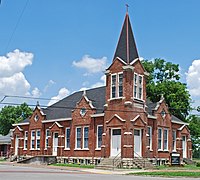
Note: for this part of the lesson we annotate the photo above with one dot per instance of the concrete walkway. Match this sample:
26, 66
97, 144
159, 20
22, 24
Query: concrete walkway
77, 169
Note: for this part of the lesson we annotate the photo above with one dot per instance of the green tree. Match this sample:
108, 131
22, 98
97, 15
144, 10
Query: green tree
13, 114
194, 124
164, 80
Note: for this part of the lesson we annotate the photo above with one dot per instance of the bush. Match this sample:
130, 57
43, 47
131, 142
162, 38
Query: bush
198, 164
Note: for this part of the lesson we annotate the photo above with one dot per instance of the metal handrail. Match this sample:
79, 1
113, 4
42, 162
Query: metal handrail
116, 158
139, 157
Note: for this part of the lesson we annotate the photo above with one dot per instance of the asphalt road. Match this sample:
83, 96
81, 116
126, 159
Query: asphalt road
14, 172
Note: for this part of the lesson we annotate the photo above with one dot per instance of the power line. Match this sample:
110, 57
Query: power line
74, 108
15, 28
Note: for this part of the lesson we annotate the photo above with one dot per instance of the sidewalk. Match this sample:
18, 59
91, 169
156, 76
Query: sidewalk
77, 169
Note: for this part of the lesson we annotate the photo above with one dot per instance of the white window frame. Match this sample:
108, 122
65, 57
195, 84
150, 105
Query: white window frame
76, 138
67, 146
84, 138
38, 138
116, 85
150, 137
113, 85
166, 147
137, 86
32, 140
160, 139
97, 137
174, 140
47, 138
25, 140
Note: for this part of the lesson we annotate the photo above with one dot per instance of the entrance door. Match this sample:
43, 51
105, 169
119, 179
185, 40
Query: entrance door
115, 142
55, 143
184, 146
16, 145
137, 143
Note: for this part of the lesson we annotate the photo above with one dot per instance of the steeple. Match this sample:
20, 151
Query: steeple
126, 47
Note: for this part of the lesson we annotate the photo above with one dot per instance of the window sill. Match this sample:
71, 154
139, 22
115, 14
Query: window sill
116, 98
160, 150
138, 100
98, 149
79, 149
25, 149
67, 149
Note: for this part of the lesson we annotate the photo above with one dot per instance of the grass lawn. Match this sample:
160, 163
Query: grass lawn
169, 174
185, 167
173, 171
74, 165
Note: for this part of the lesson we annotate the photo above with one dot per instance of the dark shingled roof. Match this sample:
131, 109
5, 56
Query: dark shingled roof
121, 50
64, 107
5, 139
151, 106
177, 120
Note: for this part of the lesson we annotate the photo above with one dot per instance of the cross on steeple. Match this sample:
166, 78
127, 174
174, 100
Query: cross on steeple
127, 6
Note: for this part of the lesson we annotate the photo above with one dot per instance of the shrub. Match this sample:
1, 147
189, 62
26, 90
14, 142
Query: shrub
198, 164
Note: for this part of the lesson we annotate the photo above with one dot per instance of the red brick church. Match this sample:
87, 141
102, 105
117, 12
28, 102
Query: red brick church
116, 120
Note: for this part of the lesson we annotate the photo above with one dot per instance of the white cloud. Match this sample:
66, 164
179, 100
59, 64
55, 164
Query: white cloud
15, 84
36, 92
193, 78
49, 84
12, 79
63, 92
14, 62
100, 83
92, 65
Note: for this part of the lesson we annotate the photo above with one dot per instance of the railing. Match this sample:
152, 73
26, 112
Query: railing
116, 159
142, 160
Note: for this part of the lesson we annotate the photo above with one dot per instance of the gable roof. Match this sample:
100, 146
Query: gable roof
64, 107
126, 47
5, 139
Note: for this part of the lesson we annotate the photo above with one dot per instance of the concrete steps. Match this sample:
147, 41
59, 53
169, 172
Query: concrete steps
129, 163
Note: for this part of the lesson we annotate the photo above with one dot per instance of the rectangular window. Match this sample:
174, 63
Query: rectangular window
117, 85
78, 138
99, 136
174, 140
33, 139
113, 86
159, 139
47, 135
85, 137
135, 85
138, 86
149, 137
120, 85
38, 139
67, 136
25, 140
165, 139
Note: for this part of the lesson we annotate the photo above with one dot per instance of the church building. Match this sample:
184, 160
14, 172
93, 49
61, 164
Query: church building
116, 120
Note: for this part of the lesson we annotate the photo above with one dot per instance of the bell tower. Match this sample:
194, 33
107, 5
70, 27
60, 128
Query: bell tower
125, 95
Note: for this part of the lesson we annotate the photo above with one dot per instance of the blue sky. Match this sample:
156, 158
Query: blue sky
56, 45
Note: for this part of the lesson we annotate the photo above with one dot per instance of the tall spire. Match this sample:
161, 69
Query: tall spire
126, 47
